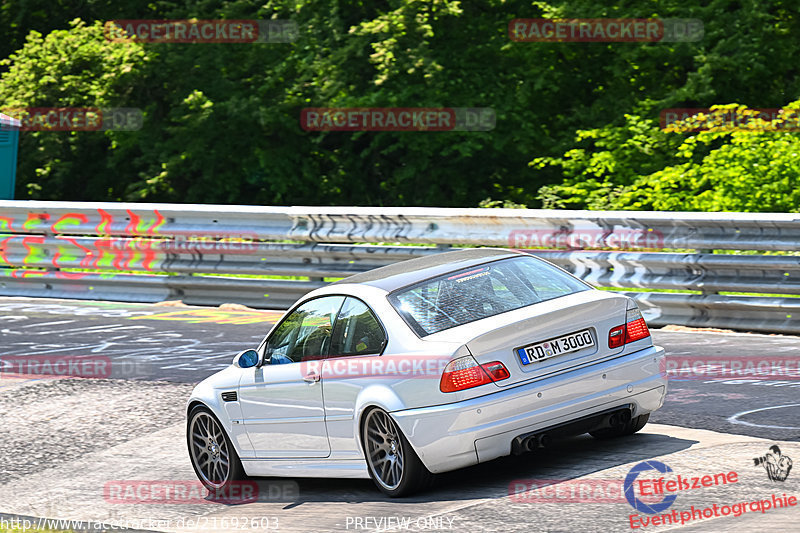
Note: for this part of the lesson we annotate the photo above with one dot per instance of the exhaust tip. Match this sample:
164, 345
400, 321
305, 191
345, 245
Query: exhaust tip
544, 440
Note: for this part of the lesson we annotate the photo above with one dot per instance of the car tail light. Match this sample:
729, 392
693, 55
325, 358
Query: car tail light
465, 373
634, 329
616, 337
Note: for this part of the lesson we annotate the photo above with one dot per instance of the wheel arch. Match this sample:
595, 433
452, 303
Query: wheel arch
196, 403
224, 421
375, 397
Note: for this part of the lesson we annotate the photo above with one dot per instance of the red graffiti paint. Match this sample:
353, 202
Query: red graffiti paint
4, 249
105, 220
58, 226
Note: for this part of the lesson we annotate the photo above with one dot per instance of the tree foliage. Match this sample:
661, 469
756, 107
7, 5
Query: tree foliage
577, 123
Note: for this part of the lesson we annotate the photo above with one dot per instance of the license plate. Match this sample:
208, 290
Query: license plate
540, 351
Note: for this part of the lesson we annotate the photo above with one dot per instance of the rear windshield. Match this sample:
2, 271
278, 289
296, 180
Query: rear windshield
467, 295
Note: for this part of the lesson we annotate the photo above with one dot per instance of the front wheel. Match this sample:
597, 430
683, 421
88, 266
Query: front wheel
214, 459
393, 464
629, 428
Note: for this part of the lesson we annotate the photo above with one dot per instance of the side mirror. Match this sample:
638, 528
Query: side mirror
246, 359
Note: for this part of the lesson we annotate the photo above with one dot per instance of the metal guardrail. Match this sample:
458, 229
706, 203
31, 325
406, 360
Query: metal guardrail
519, 228
207, 254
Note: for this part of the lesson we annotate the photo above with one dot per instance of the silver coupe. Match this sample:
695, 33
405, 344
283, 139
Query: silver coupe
426, 366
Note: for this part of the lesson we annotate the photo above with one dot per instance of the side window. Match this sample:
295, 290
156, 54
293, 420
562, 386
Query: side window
304, 334
357, 331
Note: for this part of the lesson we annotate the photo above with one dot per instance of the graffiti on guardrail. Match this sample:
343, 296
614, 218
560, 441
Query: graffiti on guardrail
146, 248
125, 254
36, 222
330, 242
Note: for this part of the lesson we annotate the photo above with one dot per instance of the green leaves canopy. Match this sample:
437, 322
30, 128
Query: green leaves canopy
579, 119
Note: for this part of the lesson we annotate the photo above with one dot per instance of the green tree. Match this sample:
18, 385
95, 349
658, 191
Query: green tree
69, 68
745, 56
222, 120
752, 168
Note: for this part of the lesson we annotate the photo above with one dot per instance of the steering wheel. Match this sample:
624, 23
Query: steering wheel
319, 336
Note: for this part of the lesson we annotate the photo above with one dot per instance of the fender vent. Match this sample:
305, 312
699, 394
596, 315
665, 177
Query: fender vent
229, 396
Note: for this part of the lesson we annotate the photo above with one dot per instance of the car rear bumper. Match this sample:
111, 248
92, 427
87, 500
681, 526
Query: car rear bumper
460, 434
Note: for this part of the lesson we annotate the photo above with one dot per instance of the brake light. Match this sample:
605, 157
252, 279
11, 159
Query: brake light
634, 329
497, 371
616, 337
466, 373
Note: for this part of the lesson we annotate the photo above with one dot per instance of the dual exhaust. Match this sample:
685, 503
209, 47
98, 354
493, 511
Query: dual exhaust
534, 442
617, 419
543, 438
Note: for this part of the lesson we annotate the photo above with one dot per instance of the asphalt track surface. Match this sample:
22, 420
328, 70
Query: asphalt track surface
65, 439
187, 344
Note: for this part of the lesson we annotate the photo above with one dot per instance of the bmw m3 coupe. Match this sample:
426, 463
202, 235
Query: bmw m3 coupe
426, 366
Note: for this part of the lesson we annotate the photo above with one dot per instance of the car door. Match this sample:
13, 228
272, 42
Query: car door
281, 400
357, 334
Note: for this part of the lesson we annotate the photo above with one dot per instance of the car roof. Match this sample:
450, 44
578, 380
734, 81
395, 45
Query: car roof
407, 272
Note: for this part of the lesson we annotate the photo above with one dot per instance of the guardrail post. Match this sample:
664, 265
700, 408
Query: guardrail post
703, 290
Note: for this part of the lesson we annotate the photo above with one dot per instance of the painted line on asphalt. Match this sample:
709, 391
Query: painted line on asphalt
735, 418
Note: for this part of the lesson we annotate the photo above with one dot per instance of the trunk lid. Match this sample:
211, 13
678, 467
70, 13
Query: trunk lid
569, 321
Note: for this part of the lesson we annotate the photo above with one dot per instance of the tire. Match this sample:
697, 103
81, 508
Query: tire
393, 465
629, 428
207, 441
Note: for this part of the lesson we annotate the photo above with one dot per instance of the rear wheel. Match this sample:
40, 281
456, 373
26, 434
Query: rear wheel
629, 428
214, 458
392, 463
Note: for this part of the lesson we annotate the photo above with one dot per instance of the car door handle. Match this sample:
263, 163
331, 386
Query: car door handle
311, 378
